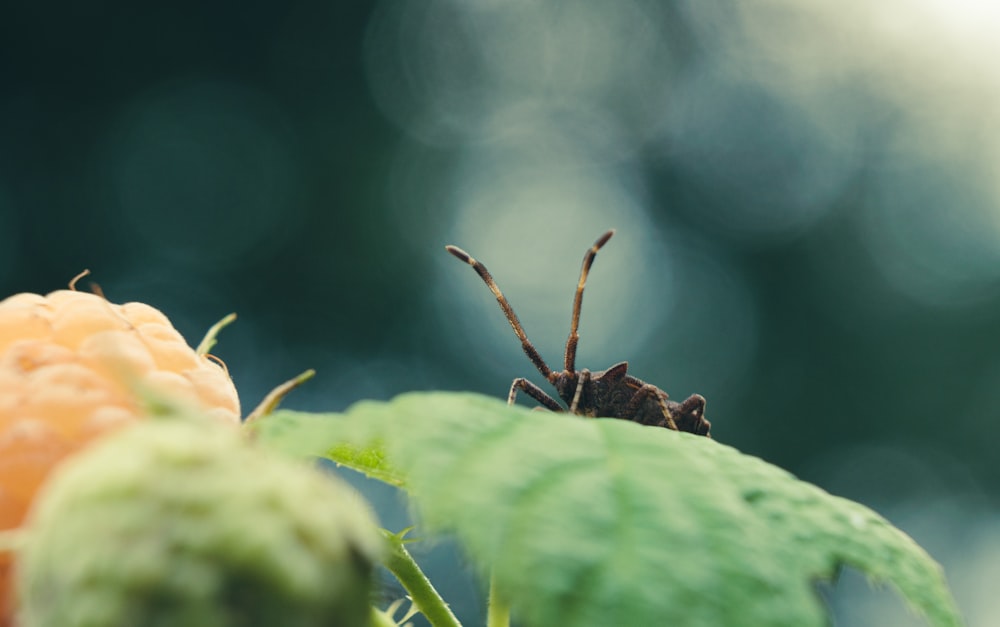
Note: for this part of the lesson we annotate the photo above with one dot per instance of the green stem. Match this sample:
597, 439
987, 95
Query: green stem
498, 614
275, 396
379, 619
401, 564
209, 340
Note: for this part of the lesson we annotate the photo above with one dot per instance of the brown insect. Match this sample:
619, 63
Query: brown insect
611, 393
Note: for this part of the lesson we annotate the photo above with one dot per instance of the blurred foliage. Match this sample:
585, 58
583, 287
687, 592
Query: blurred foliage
585, 522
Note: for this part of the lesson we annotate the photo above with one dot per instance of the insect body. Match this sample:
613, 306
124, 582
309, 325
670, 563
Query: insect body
611, 393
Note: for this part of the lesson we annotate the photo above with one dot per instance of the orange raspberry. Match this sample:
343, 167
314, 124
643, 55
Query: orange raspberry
70, 363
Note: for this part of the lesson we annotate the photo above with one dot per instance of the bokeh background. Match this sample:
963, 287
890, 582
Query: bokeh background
806, 197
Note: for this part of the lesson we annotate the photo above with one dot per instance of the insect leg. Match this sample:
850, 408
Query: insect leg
690, 415
645, 392
574, 337
580, 382
534, 392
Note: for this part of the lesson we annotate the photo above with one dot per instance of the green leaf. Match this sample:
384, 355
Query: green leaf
325, 435
606, 522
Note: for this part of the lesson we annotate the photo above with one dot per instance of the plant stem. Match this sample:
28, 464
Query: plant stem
210, 338
401, 564
498, 614
379, 619
275, 396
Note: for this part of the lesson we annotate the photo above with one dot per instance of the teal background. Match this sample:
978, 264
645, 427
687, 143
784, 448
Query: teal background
805, 197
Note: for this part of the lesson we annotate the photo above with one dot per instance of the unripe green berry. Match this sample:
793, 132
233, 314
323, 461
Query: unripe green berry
177, 522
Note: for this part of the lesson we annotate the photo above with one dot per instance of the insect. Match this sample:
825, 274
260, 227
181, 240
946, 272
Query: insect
611, 393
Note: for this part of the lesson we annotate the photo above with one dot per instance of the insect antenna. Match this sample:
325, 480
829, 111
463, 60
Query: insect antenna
574, 337
484, 274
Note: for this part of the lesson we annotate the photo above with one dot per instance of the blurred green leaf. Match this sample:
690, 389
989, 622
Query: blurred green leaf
606, 522
324, 435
